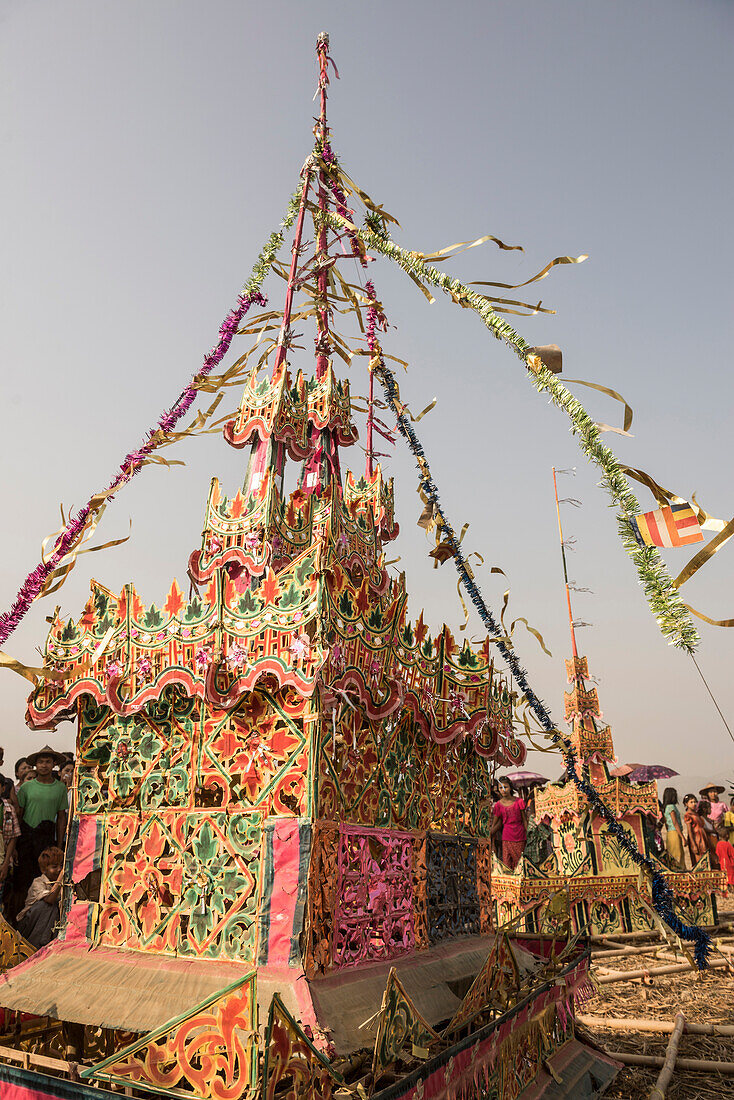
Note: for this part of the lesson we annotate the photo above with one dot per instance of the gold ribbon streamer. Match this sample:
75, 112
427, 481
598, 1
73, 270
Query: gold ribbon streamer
662, 495
470, 571
540, 275
534, 309
533, 631
424, 290
520, 619
464, 246
702, 557
522, 716
420, 415
28, 672
624, 430
58, 576
443, 550
368, 202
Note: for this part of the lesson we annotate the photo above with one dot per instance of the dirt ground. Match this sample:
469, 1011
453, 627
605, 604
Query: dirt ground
706, 998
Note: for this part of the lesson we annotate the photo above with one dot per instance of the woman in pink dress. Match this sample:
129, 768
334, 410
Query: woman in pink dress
509, 816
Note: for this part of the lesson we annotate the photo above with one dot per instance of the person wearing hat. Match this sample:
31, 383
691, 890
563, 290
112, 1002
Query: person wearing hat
711, 794
43, 805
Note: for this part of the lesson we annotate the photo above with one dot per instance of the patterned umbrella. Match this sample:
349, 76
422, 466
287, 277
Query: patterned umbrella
525, 779
643, 773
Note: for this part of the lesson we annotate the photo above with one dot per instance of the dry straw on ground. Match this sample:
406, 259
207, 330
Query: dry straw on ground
706, 998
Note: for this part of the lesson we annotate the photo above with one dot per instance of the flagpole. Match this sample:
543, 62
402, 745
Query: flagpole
565, 568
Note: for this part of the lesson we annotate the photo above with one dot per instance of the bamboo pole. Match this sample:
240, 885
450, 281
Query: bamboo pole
620, 936
651, 972
669, 956
656, 1061
649, 949
627, 1023
28, 1059
671, 1053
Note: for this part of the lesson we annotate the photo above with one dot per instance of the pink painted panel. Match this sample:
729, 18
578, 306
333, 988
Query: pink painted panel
77, 922
284, 895
374, 908
88, 851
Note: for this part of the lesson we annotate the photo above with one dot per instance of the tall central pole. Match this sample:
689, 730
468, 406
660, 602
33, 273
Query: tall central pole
286, 323
565, 569
370, 421
323, 344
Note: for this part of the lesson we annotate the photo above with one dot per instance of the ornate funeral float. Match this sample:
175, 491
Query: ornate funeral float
278, 868
605, 890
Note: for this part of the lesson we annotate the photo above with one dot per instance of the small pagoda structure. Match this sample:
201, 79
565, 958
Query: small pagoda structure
603, 888
280, 827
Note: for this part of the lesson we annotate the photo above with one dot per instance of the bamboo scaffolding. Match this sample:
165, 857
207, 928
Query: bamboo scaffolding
651, 949
656, 1061
628, 1023
671, 1053
655, 971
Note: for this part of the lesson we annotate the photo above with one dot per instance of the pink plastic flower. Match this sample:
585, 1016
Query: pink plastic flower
202, 658
300, 647
457, 703
236, 658
144, 667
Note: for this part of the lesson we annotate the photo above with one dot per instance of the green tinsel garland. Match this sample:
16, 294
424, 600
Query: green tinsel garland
665, 603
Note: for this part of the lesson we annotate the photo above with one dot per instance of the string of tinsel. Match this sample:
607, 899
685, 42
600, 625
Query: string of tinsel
663, 599
662, 897
34, 583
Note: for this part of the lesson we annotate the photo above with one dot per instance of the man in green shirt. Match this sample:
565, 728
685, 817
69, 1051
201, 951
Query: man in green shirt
43, 805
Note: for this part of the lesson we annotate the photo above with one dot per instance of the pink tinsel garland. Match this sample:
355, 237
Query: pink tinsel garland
35, 581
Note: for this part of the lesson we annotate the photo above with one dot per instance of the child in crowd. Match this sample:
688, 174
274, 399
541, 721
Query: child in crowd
23, 771
9, 833
43, 805
710, 794
728, 820
36, 921
725, 853
674, 829
698, 844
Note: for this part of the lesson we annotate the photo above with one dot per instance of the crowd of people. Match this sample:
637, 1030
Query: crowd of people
34, 812
681, 840
707, 827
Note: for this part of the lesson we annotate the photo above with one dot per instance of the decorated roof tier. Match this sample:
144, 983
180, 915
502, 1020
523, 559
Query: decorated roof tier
274, 409
377, 493
524, 886
621, 797
329, 616
594, 746
260, 527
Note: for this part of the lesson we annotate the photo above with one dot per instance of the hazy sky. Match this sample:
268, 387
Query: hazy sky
150, 147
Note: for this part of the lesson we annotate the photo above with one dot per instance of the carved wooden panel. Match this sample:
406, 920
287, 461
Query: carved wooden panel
453, 903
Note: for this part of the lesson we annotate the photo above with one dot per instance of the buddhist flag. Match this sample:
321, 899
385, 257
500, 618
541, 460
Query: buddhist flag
674, 525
